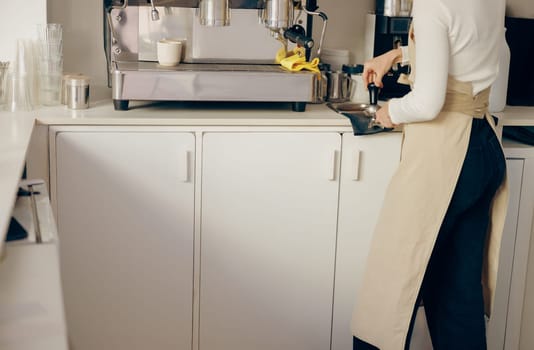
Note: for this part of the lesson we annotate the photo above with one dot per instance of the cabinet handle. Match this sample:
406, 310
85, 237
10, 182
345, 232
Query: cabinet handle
356, 168
333, 166
33, 202
184, 170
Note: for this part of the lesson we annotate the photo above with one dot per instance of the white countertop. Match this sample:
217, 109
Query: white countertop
16, 128
194, 113
517, 116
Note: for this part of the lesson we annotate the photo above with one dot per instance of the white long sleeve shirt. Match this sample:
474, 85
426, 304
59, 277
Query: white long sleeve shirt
460, 38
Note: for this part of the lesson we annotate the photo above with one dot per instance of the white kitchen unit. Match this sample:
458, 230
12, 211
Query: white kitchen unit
231, 237
505, 324
368, 180
125, 212
367, 165
268, 239
526, 340
265, 206
520, 313
498, 325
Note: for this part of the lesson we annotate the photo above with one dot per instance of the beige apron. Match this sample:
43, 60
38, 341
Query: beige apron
415, 205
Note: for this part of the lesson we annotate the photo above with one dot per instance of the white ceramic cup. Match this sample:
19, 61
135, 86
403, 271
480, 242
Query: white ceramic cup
169, 52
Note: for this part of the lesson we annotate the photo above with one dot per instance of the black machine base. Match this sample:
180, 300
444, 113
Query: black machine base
121, 105
298, 106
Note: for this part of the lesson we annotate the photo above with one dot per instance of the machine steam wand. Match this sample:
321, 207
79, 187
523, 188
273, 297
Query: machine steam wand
324, 17
154, 14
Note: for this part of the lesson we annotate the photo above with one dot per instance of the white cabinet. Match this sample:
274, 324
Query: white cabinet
125, 214
268, 239
221, 240
273, 237
526, 230
496, 328
520, 224
367, 165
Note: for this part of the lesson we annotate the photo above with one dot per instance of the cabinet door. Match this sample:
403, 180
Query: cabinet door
522, 291
368, 162
125, 218
269, 212
497, 326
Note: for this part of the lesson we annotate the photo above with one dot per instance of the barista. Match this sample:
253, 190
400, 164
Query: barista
438, 234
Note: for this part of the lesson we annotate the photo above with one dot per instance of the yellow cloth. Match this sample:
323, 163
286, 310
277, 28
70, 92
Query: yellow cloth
295, 60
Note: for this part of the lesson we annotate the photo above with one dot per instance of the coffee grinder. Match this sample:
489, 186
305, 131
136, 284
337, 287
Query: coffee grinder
387, 29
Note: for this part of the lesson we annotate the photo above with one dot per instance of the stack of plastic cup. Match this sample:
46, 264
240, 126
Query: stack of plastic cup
21, 78
50, 64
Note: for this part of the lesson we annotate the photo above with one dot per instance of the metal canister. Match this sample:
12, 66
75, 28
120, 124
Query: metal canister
77, 88
64, 86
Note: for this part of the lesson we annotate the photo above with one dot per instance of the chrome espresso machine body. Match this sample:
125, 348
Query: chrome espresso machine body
229, 50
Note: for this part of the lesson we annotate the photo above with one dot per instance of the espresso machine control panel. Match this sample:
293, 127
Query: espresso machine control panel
229, 48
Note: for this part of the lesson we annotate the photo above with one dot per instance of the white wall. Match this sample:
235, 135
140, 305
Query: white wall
346, 25
17, 22
83, 45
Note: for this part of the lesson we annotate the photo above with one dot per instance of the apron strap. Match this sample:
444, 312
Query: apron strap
460, 99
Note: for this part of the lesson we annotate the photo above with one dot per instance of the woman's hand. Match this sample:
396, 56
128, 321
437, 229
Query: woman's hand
383, 118
376, 68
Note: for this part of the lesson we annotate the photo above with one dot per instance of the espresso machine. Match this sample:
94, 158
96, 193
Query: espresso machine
388, 28
229, 49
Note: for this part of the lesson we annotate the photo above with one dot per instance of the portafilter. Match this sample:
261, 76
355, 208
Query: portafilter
362, 115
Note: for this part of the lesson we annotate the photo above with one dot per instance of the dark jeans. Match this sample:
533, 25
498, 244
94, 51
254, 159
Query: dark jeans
452, 291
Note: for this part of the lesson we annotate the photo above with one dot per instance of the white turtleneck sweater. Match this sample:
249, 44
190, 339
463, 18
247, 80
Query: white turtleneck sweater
460, 38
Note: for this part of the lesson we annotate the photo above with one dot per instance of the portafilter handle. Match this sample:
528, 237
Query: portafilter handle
373, 93
373, 101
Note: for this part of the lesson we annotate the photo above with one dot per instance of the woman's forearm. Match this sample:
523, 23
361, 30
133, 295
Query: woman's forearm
396, 55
